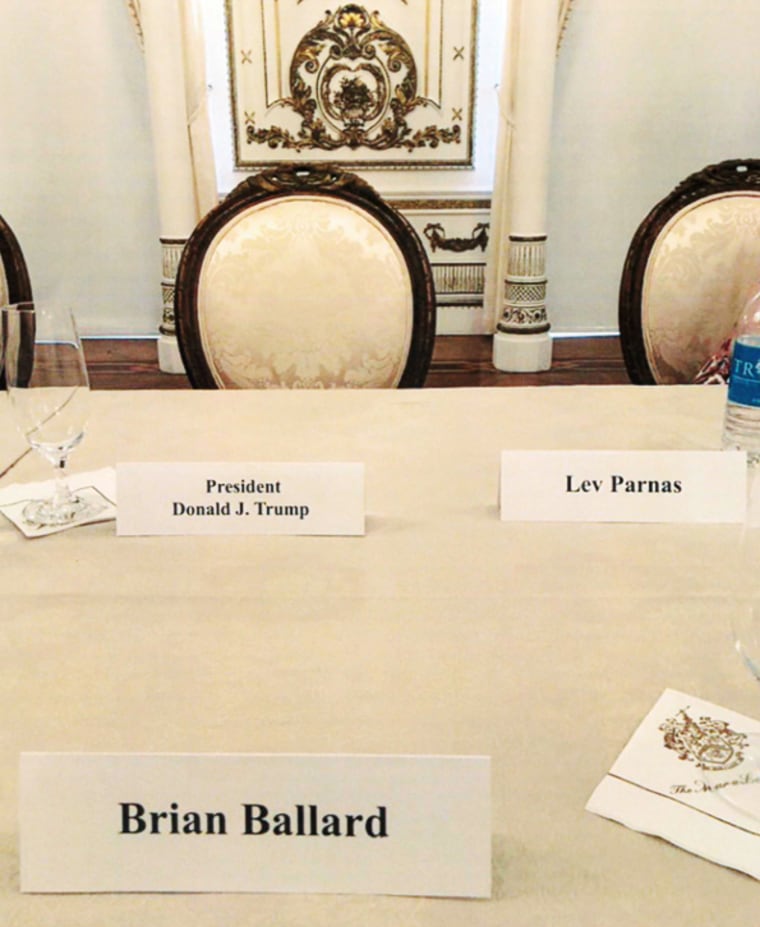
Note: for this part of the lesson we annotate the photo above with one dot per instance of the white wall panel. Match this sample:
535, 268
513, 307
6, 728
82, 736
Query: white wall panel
76, 164
647, 93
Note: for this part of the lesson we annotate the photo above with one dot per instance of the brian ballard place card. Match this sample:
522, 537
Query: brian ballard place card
240, 498
398, 825
623, 486
689, 775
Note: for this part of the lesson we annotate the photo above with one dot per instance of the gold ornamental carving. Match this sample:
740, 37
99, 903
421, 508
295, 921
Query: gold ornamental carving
353, 82
370, 86
436, 236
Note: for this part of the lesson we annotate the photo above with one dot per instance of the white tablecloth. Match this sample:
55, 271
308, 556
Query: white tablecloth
443, 631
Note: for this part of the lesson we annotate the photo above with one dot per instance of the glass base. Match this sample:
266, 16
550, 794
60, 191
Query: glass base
48, 513
739, 788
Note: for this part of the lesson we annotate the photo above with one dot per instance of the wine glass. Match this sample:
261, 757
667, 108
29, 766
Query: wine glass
47, 384
740, 786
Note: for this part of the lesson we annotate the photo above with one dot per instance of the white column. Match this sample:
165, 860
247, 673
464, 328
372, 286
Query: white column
517, 277
164, 26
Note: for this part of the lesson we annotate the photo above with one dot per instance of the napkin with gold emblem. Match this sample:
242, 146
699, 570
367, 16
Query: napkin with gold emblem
690, 775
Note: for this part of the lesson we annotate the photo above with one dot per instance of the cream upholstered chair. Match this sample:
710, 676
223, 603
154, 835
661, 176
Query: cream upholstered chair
691, 266
304, 277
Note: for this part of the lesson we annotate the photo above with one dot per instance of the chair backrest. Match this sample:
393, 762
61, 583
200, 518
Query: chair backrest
304, 277
691, 266
14, 277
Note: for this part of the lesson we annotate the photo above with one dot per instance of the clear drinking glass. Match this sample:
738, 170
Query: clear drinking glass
47, 384
741, 786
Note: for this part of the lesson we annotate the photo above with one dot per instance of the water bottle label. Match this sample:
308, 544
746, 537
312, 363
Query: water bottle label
744, 381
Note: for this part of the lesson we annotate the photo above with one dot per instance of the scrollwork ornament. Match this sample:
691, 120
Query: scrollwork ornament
727, 175
353, 82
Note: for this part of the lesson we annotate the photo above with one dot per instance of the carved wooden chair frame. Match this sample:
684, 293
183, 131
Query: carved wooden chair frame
14, 265
293, 180
16, 279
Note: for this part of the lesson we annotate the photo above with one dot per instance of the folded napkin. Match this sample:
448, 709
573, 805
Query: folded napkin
100, 485
683, 776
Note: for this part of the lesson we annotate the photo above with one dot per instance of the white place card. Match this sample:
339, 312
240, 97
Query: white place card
399, 825
240, 498
623, 486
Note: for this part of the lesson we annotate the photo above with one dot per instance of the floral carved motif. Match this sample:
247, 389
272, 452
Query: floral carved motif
353, 82
522, 317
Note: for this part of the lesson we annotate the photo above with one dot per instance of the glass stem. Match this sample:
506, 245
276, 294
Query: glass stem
61, 492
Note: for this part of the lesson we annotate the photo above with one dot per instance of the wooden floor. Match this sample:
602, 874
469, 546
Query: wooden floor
458, 360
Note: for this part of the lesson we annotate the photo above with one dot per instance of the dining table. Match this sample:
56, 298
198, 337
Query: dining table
443, 630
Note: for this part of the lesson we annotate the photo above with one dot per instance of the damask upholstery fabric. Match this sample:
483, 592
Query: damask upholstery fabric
305, 291
702, 268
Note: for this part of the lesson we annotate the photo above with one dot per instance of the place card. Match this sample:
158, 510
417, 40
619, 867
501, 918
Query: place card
623, 486
399, 825
240, 498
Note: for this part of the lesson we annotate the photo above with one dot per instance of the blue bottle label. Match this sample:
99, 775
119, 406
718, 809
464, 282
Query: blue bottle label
744, 380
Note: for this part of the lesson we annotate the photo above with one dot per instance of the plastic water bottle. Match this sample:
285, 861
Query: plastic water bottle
741, 426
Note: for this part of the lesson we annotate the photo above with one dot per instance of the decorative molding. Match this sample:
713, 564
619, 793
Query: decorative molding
526, 258
428, 205
353, 83
459, 279
356, 85
171, 252
436, 236
525, 288
459, 276
735, 175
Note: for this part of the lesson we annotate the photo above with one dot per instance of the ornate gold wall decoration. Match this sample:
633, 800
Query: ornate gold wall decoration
366, 86
436, 236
